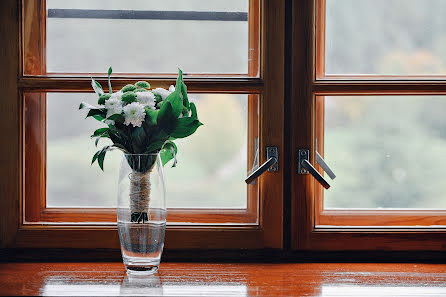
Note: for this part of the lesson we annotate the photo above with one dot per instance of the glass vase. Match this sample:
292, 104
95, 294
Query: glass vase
141, 212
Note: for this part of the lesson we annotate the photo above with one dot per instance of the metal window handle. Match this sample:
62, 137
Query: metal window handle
325, 166
305, 167
305, 164
271, 165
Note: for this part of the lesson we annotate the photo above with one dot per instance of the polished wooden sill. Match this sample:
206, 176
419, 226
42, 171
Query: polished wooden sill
208, 279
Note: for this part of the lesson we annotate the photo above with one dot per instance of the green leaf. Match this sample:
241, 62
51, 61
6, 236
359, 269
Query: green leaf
181, 88
95, 157
177, 103
99, 131
193, 109
121, 147
154, 146
98, 138
116, 137
98, 117
109, 82
100, 155
166, 119
97, 87
93, 112
85, 105
185, 127
169, 152
103, 98
158, 98
184, 93
101, 158
151, 116
117, 117
138, 137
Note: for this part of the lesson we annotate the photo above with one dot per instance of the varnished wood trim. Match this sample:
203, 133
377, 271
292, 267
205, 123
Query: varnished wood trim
376, 240
254, 38
303, 120
176, 237
382, 218
174, 215
10, 110
35, 155
272, 121
320, 38
379, 87
204, 85
33, 37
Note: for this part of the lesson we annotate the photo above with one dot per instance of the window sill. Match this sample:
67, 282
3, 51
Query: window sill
230, 279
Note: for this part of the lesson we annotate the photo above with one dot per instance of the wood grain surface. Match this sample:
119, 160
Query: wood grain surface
192, 279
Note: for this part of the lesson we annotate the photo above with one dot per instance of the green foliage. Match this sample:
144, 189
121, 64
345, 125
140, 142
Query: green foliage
142, 85
100, 156
128, 88
151, 117
99, 132
117, 118
166, 118
129, 97
170, 120
103, 98
169, 152
139, 139
177, 103
182, 89
158, 99
97, 87
109, 82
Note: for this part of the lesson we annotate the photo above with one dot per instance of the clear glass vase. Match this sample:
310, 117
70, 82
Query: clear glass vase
141, 212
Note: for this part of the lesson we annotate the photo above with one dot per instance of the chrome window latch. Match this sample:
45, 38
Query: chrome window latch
271, 164
304, 167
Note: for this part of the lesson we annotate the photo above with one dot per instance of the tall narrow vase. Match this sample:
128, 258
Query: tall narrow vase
141, 212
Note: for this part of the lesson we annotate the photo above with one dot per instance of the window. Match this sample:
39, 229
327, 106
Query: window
228, 51
362, 83
373, 109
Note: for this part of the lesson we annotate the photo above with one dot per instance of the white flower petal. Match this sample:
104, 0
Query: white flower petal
162, 92
113, 105
134, 114
146, 98
171, 89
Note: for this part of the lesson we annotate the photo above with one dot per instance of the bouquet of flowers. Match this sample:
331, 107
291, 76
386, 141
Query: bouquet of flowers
142, 122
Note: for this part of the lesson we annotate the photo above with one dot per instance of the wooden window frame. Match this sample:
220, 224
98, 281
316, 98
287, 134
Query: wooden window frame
267, 85
345, 230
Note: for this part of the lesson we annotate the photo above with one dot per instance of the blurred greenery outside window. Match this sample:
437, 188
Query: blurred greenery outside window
387, 151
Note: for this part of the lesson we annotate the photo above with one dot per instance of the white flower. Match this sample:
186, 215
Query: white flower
134, 114
109, 122
146, 98
163, 92
113, 105
117, 95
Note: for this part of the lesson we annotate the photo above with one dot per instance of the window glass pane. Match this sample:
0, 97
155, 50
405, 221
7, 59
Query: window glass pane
387, 151
394, 37
148, 36
212, 163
